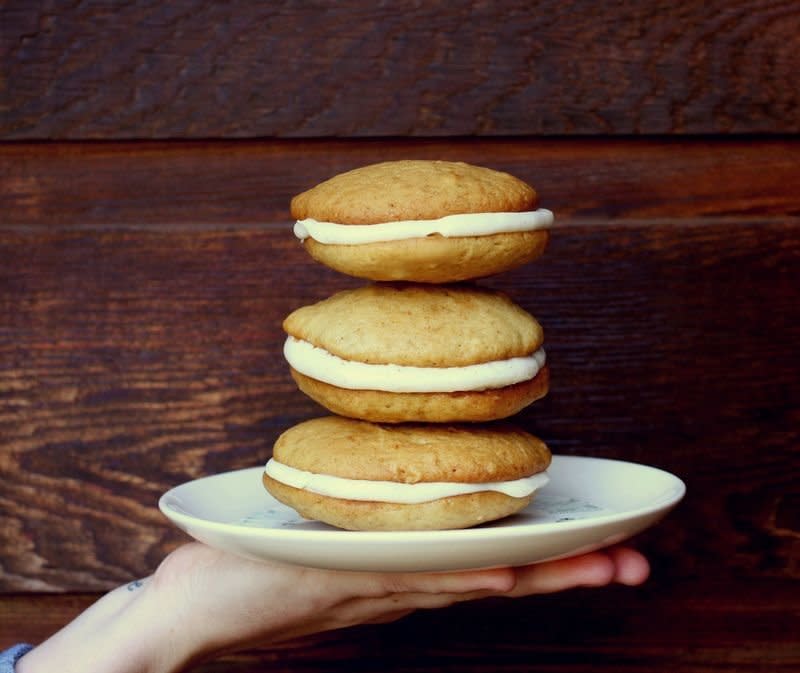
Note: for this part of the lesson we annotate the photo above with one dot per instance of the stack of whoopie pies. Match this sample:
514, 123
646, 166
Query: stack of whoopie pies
419, 366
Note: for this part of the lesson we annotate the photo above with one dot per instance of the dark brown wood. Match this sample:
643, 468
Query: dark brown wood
201, 69
698, 626
143, 283
136, 184
131, 361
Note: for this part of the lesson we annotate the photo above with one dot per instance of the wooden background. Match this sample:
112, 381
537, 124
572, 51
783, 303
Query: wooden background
149, 153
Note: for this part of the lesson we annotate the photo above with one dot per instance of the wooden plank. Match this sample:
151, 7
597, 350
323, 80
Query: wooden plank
136, 184
698, 626
131, 361
203, 69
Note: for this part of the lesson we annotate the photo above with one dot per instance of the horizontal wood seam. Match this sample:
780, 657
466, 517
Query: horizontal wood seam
563, 223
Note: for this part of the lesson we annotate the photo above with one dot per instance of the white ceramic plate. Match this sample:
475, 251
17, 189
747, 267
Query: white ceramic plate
589, 503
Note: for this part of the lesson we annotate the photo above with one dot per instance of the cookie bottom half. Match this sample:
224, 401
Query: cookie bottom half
433, 259
460, 511
385, 407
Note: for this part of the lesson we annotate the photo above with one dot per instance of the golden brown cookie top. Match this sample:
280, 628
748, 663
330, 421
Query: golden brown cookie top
412, 190
417, 325
411, 453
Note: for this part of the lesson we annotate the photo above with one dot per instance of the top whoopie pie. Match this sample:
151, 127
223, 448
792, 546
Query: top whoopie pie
423, 221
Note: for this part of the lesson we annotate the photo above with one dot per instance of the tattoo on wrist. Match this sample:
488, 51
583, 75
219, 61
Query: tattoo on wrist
136, 584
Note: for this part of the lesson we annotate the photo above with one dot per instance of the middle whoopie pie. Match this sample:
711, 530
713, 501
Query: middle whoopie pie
397, 352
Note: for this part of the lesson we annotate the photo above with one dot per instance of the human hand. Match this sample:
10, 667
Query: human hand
202, 602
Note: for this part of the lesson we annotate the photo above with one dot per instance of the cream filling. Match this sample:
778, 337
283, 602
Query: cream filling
465, 224
391, 491
321, 365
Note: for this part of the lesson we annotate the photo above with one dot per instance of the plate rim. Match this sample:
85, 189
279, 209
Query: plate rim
664, 503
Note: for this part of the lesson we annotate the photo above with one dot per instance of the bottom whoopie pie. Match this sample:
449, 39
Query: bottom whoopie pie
363, 476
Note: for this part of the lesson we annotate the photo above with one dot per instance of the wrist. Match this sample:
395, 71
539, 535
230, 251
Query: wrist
132, 629
149, 635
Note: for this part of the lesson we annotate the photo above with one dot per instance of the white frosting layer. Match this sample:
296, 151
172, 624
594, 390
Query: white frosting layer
465, 224
390, 491
319, 364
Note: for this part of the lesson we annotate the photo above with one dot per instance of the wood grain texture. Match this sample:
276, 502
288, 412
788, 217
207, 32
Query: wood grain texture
698, 626
142, 184
202, 69
131, 361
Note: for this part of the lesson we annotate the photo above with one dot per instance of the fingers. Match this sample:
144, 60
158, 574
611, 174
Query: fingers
382, 597
631, 567
499, 580
622, 565
595, 569
380, 585
392, 607
619, 564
